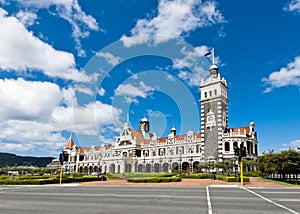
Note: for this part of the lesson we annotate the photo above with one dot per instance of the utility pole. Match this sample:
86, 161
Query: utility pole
242, 174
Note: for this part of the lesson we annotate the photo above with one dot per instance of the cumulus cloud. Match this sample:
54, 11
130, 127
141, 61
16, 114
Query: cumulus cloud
286, 76
130, 92
293, 6
34, 114
101, 91
174, 18
24, 51
27, 18
26, 100
197, 73
109, 58
71, 11
22, 136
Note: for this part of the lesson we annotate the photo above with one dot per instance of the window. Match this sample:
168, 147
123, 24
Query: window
210, 93
227, 146
216, 92
235, 144
205, 94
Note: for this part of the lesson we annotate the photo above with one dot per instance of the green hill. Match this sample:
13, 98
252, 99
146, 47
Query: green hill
7, 159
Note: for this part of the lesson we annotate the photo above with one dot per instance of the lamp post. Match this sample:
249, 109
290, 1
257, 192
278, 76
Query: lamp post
180, 161
191, 164
144, 163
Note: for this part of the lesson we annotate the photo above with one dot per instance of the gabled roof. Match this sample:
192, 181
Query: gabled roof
82, 149
139, 137
70, 143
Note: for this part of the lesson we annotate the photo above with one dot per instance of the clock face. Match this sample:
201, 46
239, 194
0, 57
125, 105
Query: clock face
210, 119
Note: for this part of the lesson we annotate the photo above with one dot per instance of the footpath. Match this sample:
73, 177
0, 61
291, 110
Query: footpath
254, 182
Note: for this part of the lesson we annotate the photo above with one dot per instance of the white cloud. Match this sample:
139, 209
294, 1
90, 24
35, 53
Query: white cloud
197, 74
24, 51
174, 18
101, 91
87, 116
130, 91
295, 144
24, 100
109, 58
84, 90
190, 57
293, 6
71, 11
289, 75
21, 136
27, 18
33, 116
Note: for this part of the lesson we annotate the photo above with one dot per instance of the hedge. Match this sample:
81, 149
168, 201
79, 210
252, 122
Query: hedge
154, 179
231, 179
8, 181
197, 176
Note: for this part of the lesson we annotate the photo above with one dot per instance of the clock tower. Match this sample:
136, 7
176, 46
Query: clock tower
214, 115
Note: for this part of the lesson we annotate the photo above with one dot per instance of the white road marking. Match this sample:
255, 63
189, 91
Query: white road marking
208, 201
272, 202
220, 185
281, 192
289, 200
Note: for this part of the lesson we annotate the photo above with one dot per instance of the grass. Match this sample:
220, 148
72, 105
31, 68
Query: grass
276, 182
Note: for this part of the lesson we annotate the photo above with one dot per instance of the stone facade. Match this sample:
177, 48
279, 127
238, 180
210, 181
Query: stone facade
142, 151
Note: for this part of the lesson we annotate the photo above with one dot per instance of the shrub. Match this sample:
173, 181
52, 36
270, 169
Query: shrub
253, 174
154, 179
197, 176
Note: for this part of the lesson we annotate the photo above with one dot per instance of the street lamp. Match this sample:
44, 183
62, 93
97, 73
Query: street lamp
180, 161
191, 164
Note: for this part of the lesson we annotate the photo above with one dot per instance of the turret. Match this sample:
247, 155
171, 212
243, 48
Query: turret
145, 127
173, 131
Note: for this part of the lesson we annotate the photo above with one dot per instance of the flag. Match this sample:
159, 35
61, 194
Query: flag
209, 52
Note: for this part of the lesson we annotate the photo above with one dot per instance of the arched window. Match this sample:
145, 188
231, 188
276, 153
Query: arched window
227, 146
235, 144
210, 93
205, 94
216, 92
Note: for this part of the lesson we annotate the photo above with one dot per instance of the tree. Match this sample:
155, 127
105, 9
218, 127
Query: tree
283, 164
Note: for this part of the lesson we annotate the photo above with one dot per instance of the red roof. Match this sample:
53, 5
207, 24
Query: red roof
243, 129
139, 137
70, 143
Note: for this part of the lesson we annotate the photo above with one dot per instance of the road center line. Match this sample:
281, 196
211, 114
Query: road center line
272, 202
208, 201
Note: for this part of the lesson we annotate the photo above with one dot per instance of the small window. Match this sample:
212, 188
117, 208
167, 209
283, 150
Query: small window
210, 93
227, 147
235, 144
216, 92
205, 94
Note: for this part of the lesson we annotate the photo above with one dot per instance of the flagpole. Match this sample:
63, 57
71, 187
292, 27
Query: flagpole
213, 56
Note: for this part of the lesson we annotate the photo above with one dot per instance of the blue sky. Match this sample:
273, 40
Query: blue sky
86, 67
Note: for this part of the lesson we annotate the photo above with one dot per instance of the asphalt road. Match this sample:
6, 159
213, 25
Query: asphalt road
137, 199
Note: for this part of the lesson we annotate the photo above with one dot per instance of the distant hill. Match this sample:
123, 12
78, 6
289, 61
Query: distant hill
7, 159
